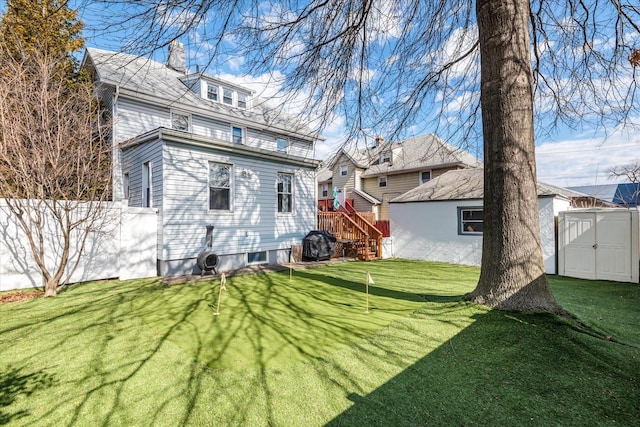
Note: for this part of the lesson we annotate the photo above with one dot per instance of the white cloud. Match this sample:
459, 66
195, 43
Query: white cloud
584, 161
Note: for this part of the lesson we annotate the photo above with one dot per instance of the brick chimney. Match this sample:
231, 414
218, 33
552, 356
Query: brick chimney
177, 57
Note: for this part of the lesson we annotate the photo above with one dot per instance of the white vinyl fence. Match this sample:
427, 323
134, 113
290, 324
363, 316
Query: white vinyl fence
124, 246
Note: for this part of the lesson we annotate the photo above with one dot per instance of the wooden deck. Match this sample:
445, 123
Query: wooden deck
355, 232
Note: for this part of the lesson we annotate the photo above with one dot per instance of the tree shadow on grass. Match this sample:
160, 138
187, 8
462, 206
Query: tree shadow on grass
15, 384
508, 368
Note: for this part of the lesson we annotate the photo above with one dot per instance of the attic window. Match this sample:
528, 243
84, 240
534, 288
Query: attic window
212, 92
180, 121
382, 181
425, 176
344, 170
242, 100
282, 145
227, 96
385, 157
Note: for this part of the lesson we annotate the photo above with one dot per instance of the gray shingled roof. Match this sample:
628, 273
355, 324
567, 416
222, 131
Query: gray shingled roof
144, 78
419, 153
416, 153
467, 184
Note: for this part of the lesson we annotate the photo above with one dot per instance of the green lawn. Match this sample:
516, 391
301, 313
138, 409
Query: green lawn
304, 352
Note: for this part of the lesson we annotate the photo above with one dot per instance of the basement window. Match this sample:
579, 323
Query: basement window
257, 257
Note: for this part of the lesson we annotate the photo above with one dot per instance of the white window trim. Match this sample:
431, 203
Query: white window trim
244, 135
325, 189
246, 100
345, 169
293, 196
386, 182
126, 185
181, 113
286, 146
266, 258
382, 156
461, 230
420, 176
231, 188
232, 96
206, 93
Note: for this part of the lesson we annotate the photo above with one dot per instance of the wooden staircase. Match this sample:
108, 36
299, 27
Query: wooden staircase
355, 233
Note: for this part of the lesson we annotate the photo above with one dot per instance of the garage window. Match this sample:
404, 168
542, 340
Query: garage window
470, 220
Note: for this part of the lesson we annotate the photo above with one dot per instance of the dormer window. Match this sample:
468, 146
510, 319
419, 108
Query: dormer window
212, 92
385, 157
227, 96
242, 100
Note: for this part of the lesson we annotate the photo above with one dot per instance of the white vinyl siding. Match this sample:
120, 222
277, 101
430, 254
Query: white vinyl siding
252, 226
134, 118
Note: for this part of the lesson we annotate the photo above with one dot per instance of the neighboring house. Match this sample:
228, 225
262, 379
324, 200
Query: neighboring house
442, 219
369, 178
204, 151
626, 195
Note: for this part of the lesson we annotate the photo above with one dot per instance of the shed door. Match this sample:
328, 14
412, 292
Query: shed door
597, 245
613, 249
580, 239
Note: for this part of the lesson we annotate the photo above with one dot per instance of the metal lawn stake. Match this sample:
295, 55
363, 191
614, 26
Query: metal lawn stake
291, 262
223, 287
369, 281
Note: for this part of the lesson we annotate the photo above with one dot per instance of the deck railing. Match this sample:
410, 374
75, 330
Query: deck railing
354, 230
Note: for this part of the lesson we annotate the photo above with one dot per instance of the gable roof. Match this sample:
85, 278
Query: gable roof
420, 152
152, 81
468, 184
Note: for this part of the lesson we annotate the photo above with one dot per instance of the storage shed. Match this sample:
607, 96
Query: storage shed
599, 244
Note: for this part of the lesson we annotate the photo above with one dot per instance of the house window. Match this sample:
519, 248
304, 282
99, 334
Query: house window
385, 157
425, 176
242, 100
227, 96
180, 121
212, 92
219, 187
257, 257
470, 220
325, 190
125, 185
285, 193
382, 181
282, 145
344, 170
237, 135
146, 185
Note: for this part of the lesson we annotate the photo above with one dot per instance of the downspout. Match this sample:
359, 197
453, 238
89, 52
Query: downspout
116, 170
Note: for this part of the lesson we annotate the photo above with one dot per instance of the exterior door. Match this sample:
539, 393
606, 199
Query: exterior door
579, 243
599, 245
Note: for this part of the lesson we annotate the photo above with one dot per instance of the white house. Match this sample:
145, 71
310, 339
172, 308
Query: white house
441, 220
204, 151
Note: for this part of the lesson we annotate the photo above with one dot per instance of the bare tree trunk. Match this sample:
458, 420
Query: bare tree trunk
512, 275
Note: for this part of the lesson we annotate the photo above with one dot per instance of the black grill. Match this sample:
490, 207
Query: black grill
318, 245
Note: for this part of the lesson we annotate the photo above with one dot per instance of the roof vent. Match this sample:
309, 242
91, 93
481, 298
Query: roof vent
177, 57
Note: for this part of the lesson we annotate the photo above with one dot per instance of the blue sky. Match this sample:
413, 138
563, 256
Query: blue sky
566, 157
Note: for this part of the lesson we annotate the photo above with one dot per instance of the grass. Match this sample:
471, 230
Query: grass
304, 352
